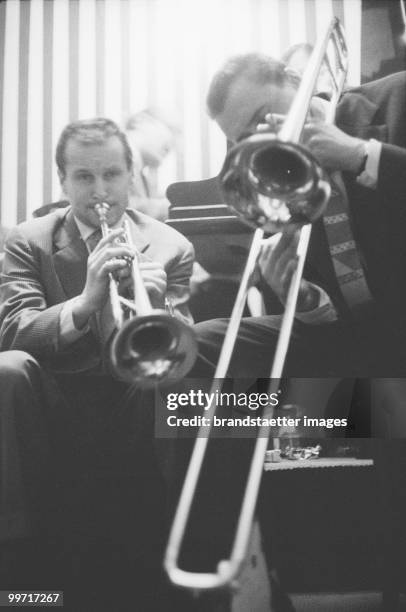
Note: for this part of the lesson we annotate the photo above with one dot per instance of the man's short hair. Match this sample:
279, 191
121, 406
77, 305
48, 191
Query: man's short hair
303, 47
150, 114
256, 66
90, 131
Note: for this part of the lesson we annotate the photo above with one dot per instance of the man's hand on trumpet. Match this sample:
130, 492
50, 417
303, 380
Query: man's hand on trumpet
277, 263
109, 256
155, 281
112, 256
153, 276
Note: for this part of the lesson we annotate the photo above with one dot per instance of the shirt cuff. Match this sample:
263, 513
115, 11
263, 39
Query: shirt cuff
68, 333
323, 313
369, 177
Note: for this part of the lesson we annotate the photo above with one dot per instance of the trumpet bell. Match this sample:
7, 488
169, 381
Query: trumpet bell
272, 184
153, 349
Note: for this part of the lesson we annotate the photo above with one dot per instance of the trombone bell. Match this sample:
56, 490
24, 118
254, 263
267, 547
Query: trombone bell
271, 183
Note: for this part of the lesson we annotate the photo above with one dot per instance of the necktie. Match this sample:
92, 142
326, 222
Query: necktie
93, 240
343, 249
105, 320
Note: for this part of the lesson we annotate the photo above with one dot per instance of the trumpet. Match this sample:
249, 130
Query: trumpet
150, 346
273, 183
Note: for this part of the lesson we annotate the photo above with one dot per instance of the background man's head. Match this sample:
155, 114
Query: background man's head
150, 135
297, 56
246, 89
94, 163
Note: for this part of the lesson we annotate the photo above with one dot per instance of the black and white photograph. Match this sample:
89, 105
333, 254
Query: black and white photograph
203, 305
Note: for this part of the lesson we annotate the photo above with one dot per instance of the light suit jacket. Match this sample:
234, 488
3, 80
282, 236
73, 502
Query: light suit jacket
45, 265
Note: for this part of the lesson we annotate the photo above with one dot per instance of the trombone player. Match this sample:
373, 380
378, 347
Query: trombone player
351, 304
70, 422
342, 328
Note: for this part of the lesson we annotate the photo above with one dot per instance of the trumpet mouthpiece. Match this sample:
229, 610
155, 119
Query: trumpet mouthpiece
101, 207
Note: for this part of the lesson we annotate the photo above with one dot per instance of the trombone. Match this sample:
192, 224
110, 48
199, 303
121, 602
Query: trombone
273, 183
152, 347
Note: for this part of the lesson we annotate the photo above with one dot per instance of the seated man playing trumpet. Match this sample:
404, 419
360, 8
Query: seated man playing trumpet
81, 454
350, 318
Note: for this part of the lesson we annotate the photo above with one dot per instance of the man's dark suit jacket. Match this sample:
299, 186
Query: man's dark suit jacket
45, 265
375, 110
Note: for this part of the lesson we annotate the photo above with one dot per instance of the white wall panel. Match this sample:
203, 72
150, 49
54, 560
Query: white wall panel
112, 71
138, 57
323, 12
35, 105
10, 116
112, 57
87, 55
60, 82
269, 37
297, 21
352, 21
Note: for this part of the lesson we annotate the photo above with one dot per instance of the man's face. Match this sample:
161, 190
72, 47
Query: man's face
248, 102
96, 173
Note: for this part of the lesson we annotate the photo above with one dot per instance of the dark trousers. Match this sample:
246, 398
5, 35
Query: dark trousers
363, 349
390, 461
81, 486
378, 405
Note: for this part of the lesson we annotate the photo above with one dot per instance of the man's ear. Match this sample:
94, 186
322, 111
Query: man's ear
131, 182
61, 177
